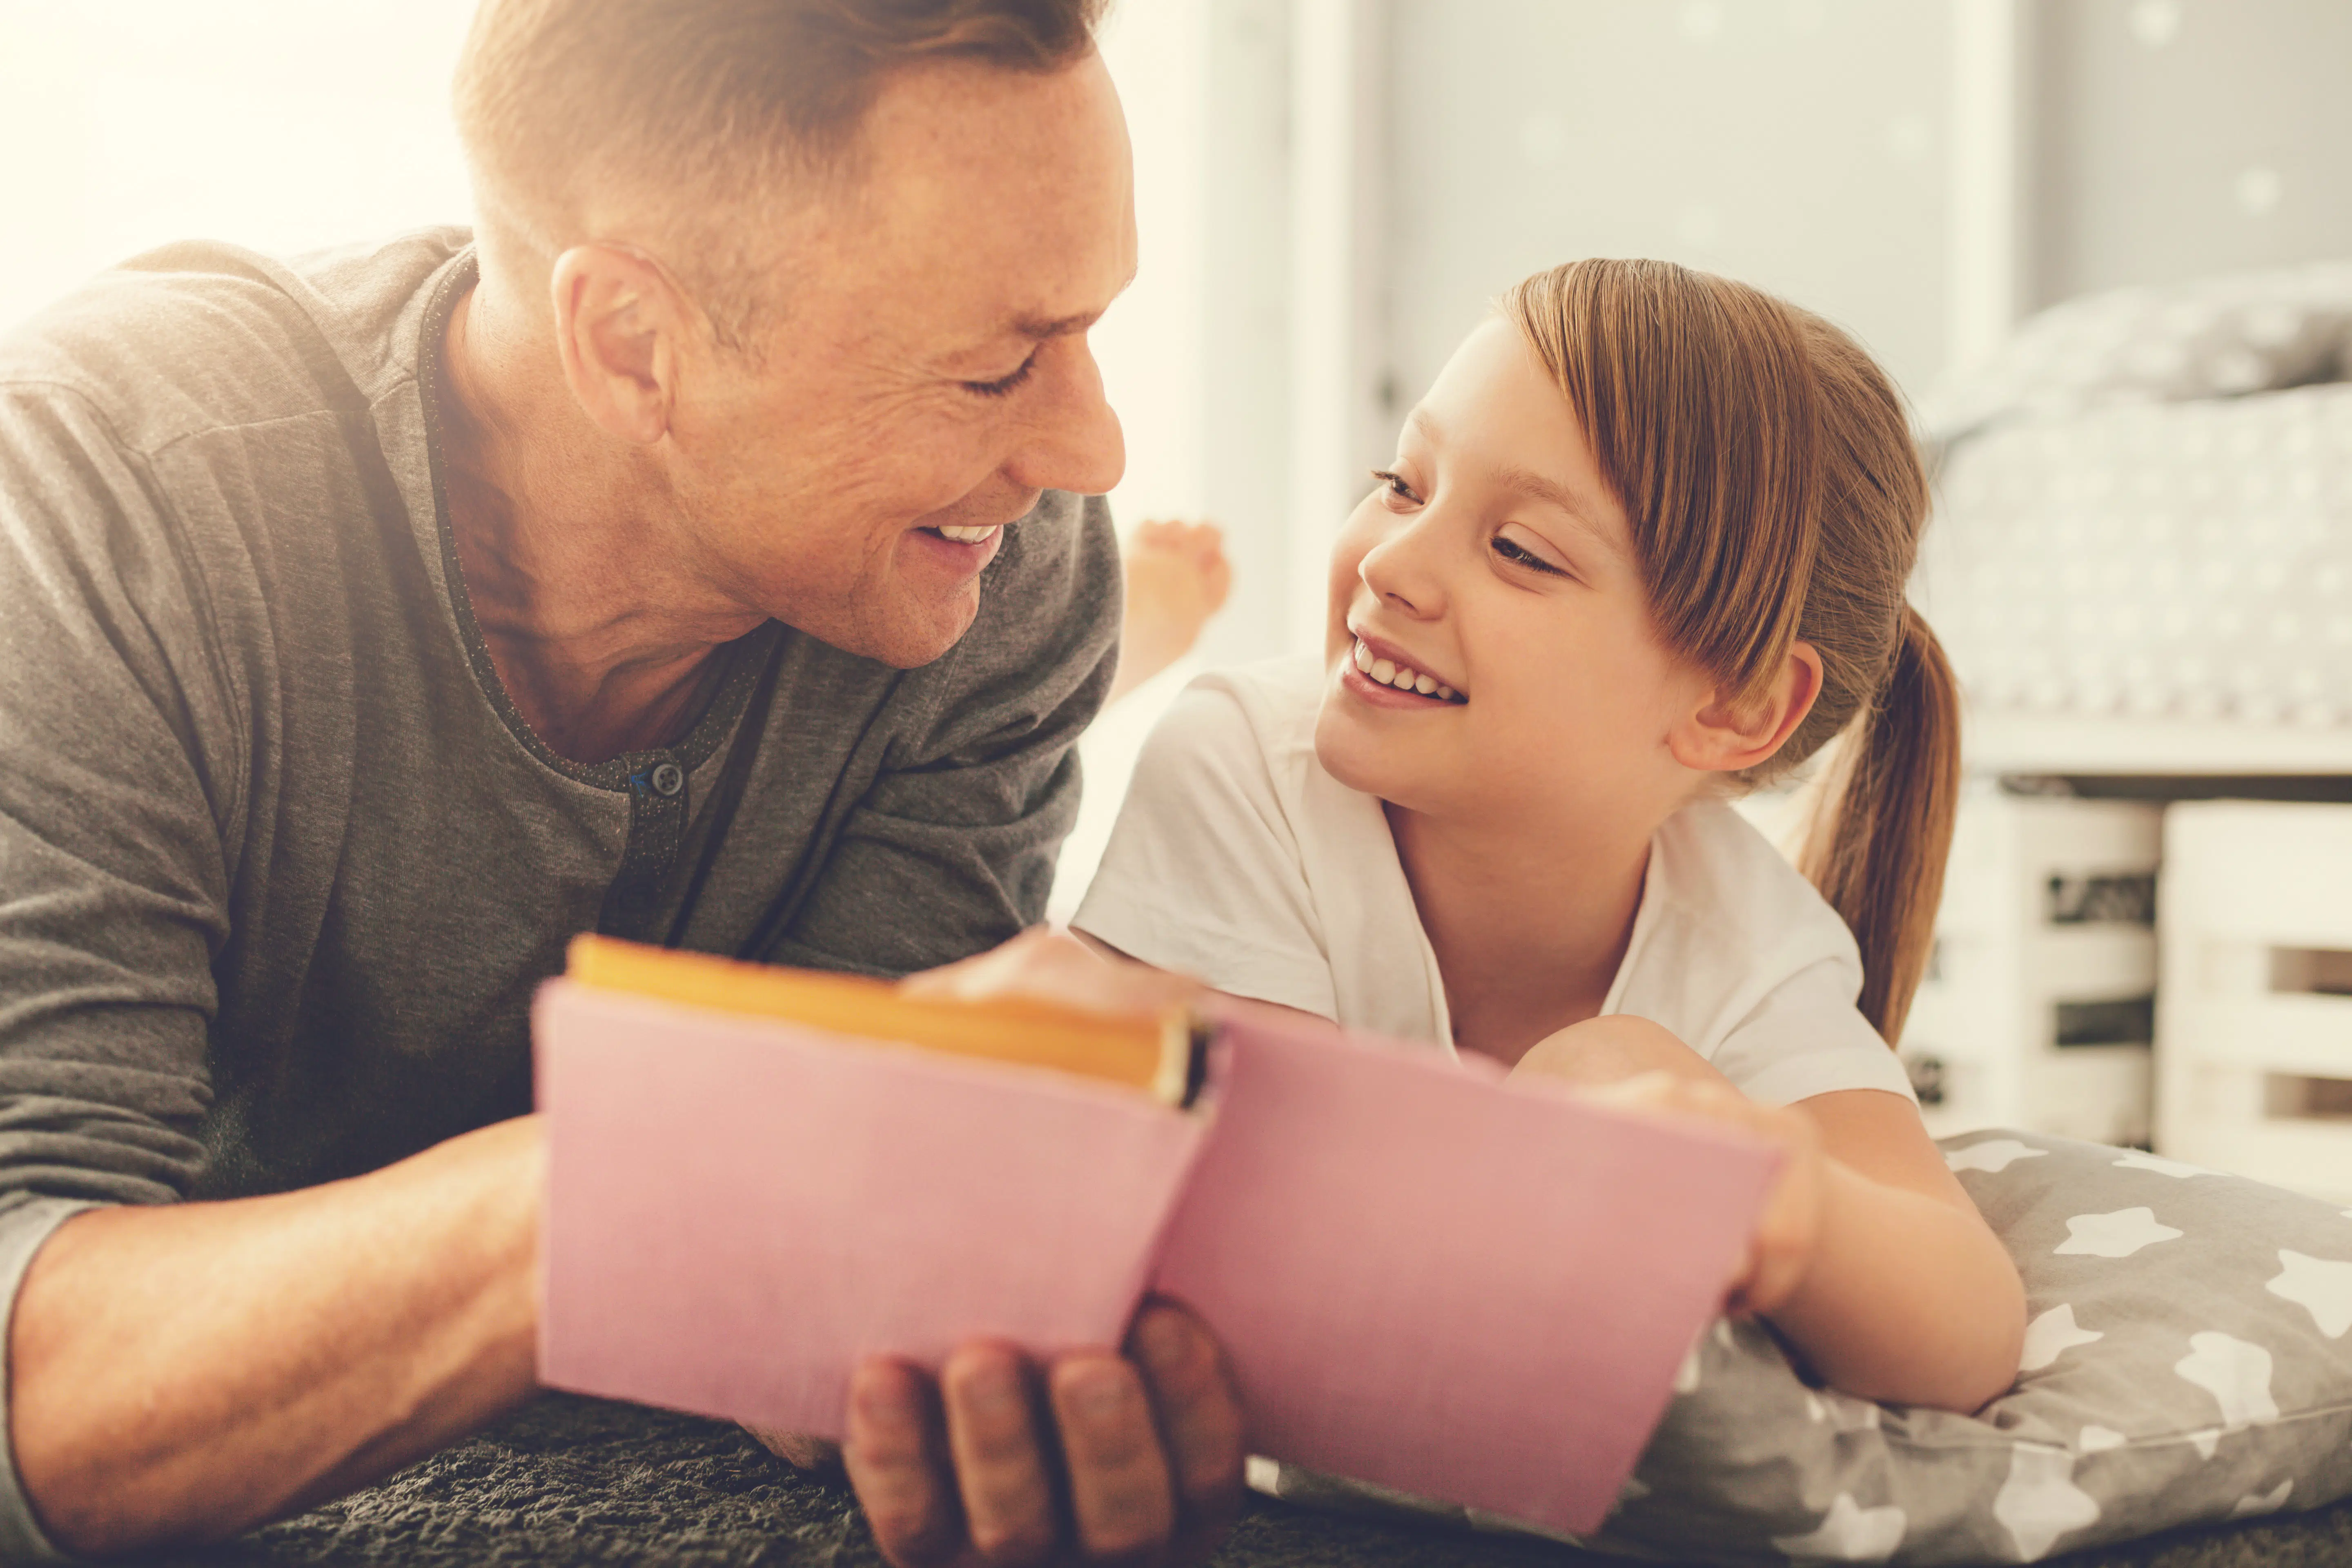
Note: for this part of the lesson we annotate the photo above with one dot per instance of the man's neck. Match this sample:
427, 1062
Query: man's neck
1528, 928
604, 645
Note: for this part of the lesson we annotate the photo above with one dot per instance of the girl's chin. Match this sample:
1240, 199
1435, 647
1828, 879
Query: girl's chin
1369, 762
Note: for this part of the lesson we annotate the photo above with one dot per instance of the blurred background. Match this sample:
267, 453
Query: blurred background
2104, 244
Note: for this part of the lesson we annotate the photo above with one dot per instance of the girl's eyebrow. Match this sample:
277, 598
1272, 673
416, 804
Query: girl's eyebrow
1578, 508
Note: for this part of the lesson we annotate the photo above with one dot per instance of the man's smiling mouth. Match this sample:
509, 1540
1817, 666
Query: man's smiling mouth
965, 535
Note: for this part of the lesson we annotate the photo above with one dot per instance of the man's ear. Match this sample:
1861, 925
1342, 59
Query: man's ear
1722, 737
620, 323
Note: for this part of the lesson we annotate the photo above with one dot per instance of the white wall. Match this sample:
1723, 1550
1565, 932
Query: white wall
1798, 144
2184, 138
281, 124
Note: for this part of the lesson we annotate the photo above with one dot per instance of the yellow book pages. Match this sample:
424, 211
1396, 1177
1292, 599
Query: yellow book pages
1153, 1054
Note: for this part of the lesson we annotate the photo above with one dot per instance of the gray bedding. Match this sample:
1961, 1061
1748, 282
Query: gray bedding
576, 1480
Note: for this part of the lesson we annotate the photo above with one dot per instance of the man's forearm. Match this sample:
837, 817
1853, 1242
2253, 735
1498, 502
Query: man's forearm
183, 1373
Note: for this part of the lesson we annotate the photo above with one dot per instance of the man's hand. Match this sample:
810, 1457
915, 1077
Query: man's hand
1133, 1459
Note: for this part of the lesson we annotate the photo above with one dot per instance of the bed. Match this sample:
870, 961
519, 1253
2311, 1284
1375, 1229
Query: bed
2141, 562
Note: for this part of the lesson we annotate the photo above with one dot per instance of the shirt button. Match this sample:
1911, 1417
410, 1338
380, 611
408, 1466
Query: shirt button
669, 779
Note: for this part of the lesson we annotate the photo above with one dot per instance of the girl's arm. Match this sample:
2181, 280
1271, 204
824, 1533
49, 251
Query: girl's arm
1871, 1260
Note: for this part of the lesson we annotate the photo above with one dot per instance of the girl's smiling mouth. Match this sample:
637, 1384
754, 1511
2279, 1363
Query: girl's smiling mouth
1380, 670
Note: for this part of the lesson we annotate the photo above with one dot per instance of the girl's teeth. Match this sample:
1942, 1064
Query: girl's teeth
1388, 672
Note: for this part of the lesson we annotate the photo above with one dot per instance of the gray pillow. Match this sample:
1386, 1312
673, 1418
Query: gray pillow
2216, 337
2186, 1362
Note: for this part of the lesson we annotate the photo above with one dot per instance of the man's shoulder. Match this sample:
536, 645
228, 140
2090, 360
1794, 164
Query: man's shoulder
199, 337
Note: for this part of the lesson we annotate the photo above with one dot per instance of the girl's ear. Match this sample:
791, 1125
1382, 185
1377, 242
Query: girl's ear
1722, 737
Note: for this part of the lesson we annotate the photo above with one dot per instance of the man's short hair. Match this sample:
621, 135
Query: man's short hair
690, 112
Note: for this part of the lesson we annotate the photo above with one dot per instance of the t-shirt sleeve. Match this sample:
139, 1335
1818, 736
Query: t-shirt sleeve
119, 761
952, 848
1806, 1037
1203, 872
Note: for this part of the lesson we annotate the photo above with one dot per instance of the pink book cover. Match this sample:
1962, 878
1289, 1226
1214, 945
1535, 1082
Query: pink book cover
739, 1210
1422, 1279
1468, 1293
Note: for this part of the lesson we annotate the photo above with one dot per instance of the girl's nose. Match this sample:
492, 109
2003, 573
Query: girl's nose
1402, 572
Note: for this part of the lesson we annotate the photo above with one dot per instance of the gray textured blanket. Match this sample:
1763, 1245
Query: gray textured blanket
578, 1480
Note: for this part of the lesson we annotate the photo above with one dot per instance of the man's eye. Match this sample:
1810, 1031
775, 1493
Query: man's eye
1518, 556
1395, 485
1010, 384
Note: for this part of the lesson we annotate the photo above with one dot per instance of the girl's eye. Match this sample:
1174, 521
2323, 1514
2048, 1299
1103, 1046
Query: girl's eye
1005, 384
1395, 485
1518, 556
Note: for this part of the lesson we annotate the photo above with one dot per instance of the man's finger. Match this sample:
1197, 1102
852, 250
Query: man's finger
798, 1448
1119, 1495
1199, 1419
1002, 1472
897, 1457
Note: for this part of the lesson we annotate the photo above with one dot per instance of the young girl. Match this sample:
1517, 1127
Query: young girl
1644, 546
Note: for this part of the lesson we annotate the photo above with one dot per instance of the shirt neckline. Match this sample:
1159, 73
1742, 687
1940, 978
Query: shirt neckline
744, 657
1646, 920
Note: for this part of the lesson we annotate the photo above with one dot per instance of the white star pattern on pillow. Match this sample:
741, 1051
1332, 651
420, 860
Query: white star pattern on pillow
2040, 1501
2140, 1160
1997, 1155
1686, 1374
2117, 1235
2270, 1501
2052, 1335
2236, 1374
1848, 1533
2322, 1288
1843, 1412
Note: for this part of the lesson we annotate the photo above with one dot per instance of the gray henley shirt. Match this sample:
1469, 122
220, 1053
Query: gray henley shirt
279, 863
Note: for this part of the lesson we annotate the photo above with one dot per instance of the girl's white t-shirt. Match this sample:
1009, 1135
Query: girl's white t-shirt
1238, 859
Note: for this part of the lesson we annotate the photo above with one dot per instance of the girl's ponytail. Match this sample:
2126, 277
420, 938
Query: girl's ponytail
1878, 855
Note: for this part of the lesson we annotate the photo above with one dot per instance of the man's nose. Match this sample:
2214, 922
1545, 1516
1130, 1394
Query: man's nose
1073, 442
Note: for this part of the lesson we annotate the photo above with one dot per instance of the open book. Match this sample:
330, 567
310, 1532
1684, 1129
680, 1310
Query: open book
1424, 1277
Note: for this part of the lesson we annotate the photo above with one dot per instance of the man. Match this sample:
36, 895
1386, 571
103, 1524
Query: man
696, 556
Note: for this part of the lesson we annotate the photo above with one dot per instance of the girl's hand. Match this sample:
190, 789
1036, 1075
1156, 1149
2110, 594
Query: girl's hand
1786, 1239
1056, 966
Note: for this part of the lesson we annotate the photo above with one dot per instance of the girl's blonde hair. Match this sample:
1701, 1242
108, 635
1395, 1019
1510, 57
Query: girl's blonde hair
1774, 494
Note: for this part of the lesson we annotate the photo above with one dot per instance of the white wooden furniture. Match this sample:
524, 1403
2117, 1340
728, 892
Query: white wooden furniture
2037, 1011
2254, 1025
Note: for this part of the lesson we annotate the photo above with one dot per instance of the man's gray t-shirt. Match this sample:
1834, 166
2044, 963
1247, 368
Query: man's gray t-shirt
280, 864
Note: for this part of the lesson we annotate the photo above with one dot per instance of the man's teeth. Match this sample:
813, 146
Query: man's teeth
1388, 672
965, 535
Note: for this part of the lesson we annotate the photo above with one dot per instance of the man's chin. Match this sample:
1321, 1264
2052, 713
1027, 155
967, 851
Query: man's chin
920, 635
